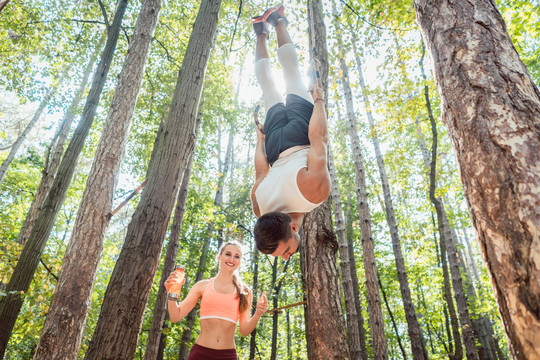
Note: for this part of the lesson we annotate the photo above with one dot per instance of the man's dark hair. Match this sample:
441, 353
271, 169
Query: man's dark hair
270, 229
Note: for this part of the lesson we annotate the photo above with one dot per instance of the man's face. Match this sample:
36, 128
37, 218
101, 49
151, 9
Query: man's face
286, 248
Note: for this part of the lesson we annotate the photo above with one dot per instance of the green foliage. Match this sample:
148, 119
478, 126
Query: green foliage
48, 37
522, 19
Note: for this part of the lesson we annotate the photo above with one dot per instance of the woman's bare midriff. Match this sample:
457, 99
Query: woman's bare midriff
216, 334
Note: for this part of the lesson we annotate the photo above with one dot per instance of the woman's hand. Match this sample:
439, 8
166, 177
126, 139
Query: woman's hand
172, 280
262, 304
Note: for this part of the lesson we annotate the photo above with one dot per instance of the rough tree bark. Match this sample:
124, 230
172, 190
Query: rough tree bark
323, 312
118, 325
63, 329
54, 156
491, 107
24, 271
351, 298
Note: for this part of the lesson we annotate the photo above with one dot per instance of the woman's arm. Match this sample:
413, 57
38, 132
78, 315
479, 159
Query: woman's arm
178, 311
247, 324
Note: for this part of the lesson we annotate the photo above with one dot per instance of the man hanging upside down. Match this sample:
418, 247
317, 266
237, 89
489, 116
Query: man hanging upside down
291, 175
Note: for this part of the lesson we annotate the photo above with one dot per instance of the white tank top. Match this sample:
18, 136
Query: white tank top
279, 189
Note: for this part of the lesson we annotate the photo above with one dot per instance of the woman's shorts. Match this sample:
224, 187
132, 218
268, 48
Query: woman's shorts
286, 125
199, 352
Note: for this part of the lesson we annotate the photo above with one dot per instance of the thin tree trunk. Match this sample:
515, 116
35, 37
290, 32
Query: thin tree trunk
485, 351
64, 325
24, 271
156, 328
276, 288
403, 353
42, 105
374, 302
418, 347
323, 312
446, 235
471, 257
346, 277
3, 4
491, 107
443, 234
185, 342
354, 276
457, 282
52, 161
118, 325
218, 202
253, 337
275, 304
163, 338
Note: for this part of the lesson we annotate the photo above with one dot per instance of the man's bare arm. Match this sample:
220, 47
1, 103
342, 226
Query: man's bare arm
314, 183
261, 168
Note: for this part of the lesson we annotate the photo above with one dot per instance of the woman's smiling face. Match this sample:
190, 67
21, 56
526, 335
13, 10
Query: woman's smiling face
230, 257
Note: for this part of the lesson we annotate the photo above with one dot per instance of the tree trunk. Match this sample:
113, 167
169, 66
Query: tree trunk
351, 298
446, 235
457, 282
118, 325
185, 344
323, 312
275, 304
42, 105
491, 107
418, 347
52, 161
403, 353
3, 4
356, 289
253, 337
64, 325
415, 335
29, 259
160, 309
374, 302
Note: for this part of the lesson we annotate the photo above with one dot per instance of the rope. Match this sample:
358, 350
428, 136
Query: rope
287, 306
128, 198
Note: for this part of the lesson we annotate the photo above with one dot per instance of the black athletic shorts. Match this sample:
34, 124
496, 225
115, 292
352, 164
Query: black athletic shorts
286, 126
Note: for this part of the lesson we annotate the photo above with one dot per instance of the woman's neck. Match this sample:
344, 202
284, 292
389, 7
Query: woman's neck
224, 276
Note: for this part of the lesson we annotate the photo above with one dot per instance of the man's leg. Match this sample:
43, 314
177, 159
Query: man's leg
288, 59
263, 72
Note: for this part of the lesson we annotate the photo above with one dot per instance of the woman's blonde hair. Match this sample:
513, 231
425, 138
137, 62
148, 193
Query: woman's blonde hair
242, 289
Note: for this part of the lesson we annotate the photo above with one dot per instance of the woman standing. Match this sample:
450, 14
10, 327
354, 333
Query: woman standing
225, 302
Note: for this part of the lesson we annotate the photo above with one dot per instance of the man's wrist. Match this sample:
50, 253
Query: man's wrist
318, 99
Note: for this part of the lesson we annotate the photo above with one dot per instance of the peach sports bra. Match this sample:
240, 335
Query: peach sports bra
215, 305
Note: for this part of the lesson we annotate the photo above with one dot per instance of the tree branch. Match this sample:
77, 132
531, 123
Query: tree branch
236, 24
49, 270
104, 12
169, 57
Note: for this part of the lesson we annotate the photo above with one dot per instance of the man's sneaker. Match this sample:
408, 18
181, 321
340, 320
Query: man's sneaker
275, 13
259, 25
